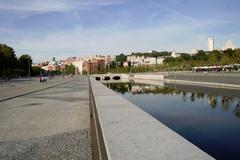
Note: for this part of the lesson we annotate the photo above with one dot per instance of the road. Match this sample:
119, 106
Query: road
49, 124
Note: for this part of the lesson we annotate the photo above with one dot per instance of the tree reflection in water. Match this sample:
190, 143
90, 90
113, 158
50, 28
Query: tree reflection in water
200, 95
193, 97
212, 101
225, 103
184, 97
134, 88
236, 111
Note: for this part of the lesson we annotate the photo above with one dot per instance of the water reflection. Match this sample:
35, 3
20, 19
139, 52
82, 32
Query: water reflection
213, 100
207, 117
236, 111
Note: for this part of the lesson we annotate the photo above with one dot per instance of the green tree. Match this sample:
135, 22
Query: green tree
112, 65
214, 57
24, 62
8, 61
201, 56
36, 71
129, 64
70, 69
237, 52
121, 58
185, 57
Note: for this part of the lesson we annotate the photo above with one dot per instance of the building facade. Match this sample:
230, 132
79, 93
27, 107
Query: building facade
78, 66
228, 45
141, 60
210, 43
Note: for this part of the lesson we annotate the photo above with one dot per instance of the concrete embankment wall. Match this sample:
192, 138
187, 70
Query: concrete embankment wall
125, 132
230, 80
209, 79
149, 76
226, 78
122, 77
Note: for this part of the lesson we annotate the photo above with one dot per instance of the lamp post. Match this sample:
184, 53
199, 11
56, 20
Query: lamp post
29, 70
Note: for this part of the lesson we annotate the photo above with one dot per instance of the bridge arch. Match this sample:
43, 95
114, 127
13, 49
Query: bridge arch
116, 78
98, 78
107, 78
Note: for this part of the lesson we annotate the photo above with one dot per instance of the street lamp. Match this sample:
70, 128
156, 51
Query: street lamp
29, 70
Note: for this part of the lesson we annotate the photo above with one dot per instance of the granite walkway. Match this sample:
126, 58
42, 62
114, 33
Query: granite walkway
49, 124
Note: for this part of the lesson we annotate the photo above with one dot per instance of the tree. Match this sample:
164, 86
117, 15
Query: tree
129, 64
169, 60
70, 69
36, 71
201, 56
153, 54
213, 58
185, 56
121, 58
8, 61
112, 65
237, 52
24, 62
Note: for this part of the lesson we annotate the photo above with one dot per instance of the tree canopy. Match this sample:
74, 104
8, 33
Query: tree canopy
8, 61
203, 58
10, 65
24, 61
70, 69
153, 54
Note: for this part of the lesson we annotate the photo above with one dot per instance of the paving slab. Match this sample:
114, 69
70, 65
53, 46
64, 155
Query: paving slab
17, 87
49, 124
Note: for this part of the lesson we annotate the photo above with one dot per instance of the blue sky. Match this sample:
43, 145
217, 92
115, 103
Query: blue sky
62, 28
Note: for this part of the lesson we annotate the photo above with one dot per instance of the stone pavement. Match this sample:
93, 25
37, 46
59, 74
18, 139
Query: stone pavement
49, 124
21, 86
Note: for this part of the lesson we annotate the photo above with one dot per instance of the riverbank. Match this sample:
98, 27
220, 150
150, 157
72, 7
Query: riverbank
208, 79
222, 80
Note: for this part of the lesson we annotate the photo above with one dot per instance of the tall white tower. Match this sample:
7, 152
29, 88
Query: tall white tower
210, 43
228, 45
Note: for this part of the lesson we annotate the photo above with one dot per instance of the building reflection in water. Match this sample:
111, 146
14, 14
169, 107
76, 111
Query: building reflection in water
213, 100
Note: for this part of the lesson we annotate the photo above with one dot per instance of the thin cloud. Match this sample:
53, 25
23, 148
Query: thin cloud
85, 27
54, 5
81, 42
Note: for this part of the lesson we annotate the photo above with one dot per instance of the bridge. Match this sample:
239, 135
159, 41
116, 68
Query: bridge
211, 79
111, 78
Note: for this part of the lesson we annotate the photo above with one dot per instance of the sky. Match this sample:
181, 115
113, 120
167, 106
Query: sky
64, 28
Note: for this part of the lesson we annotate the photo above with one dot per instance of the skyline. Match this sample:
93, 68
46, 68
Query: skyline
60, 28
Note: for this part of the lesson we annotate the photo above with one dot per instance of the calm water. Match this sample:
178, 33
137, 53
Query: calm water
207, 117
